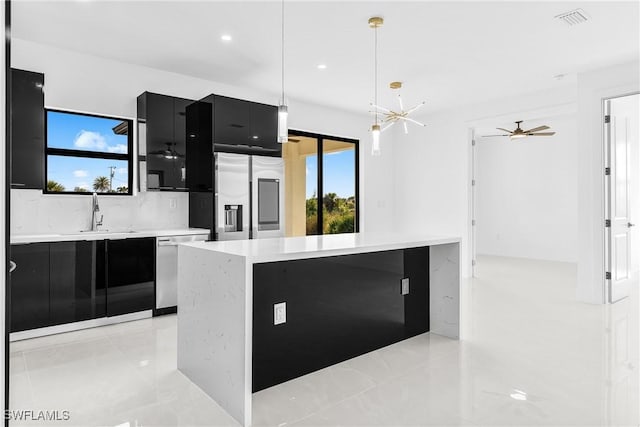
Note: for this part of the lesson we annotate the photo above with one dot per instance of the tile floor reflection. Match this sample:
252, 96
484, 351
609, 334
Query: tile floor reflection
530, 355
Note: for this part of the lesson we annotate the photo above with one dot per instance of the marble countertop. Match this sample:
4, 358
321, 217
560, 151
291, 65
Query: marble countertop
289, 248
103, 234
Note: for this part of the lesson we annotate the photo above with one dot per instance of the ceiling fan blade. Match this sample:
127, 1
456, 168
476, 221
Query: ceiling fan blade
541, 134
505, 130
539, 128
486, 136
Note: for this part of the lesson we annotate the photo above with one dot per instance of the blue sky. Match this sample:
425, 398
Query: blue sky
78, 132
339, 173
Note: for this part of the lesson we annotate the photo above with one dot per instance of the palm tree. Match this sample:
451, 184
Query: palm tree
80, 190
101, 184
122, 189
54, 186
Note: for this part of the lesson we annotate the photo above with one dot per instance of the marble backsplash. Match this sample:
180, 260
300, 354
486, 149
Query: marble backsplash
35, 213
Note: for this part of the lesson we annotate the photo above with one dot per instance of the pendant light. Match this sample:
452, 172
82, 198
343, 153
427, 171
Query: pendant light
375, 22
283, 111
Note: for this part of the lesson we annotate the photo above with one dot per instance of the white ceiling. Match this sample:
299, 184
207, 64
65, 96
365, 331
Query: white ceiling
448, 53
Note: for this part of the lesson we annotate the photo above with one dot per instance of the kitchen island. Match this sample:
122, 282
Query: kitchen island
255, 313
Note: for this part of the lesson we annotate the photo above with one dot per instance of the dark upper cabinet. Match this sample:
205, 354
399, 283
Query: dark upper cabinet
77, 281
131, 271
165, 124
199, 133
232, 121
27, 129
30, 286
246, 127
264, 126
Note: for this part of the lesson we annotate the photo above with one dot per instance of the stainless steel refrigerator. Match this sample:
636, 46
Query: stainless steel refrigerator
249, 196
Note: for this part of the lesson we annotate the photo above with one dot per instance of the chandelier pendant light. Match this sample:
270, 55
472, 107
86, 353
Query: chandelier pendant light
392, 117
283, 110
375, 22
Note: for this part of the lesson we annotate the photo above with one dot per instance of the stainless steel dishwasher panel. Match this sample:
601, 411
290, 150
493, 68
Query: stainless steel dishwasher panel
167, 268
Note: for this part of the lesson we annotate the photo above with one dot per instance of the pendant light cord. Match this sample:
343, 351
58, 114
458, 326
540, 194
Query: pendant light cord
282, 51
375, 72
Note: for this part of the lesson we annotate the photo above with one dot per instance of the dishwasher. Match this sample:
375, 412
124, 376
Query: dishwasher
167, 270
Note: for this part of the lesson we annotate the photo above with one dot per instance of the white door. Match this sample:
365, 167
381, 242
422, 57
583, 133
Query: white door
623, 194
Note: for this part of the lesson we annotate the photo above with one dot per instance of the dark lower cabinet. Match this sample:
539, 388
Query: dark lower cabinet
30, 286
77, 281
131, 275
336, 308
64, 282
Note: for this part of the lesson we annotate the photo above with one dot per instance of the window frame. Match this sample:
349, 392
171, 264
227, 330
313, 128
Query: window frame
66, 152
320, 178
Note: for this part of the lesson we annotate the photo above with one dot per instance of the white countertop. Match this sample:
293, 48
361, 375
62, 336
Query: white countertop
103, 234
288, 248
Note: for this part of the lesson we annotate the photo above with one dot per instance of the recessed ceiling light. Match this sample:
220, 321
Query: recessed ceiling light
226, 38
322, 66
255, 136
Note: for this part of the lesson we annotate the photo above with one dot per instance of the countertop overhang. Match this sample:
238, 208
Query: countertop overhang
102, 235
289, 248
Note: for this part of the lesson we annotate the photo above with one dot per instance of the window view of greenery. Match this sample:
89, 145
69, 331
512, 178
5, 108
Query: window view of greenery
87, 153
338, 214
338, 201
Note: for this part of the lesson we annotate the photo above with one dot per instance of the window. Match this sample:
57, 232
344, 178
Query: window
320, 171
87, 153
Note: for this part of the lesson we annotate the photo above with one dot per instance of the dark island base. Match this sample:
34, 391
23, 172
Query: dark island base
337, 308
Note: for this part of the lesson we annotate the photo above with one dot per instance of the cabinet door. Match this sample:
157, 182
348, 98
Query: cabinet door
178, 176
77, 281
232, 121
199, 148
264, 126
27, 129
30, 287
130, 275
160, 141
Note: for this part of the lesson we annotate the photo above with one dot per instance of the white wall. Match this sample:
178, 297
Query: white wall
91, 84
593, 87
35, 213
432, 165
526, 193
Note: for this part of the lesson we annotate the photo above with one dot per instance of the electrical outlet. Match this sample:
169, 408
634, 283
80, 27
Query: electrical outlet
404, 286
173, 203
279, 313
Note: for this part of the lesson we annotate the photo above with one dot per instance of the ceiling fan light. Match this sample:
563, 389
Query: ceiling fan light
518, 136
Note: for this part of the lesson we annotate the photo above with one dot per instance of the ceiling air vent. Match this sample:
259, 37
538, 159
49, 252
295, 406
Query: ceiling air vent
573, 17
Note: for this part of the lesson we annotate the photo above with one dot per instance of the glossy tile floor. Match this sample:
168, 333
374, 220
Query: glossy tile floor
531, 355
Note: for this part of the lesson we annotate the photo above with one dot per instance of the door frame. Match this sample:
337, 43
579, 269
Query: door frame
5, 148
606, 183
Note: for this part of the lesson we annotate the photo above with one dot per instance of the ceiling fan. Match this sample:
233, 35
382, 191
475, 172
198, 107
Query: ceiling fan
169, 153
519, 133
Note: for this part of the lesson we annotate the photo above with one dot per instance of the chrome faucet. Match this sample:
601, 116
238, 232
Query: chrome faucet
95, 207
